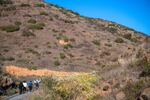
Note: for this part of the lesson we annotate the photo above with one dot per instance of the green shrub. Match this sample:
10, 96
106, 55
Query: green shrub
127, 36
67, 46
132, 91
62, 56
44, 13
33, 21
41, 24
134, 40
63, 37
2, 58
25, 5
32, 68
130, 37
72, 39
5, 2
56, 63
112, 30
71, 87
106, 53
10, 28
17, 23
51, 18
9, 8
30, 50
38, 26
96, 42
108, 45
54, 30
119, 40
23, 62
28, 33
40, 5
144, 63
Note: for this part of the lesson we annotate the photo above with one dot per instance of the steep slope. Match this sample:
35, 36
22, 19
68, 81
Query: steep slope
36, 34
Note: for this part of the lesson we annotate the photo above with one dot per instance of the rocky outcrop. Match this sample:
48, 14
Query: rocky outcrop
145, 94
5, 81
120, 96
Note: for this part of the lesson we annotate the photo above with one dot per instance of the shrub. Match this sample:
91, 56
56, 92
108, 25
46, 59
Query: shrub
67, 46
62, 55
44, 13
23, 62
112, 30
72, 40
54, 30
17, 23
96, 42
132, 91
63, 37
33, 21
134, 40
119, 40
10, 28
10, 8
32, 68
25, 5
109, 45
127, 36
32, 51
130, 37
2, 58
51, 18
56, 63
106, 53
38, 26
40, 5
5, 2
41, 24
27, 33
144, 63
71, 87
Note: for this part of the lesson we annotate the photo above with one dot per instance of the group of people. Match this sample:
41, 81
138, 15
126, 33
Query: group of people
28, 86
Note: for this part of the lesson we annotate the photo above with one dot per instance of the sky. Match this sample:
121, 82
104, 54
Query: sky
131, 13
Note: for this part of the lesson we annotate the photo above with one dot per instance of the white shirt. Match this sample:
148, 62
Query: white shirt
25, 84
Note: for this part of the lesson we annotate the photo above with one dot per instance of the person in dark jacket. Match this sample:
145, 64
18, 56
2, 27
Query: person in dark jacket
30, 84
20, 88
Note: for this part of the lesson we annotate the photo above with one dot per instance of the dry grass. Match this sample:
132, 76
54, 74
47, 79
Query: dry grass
18, 71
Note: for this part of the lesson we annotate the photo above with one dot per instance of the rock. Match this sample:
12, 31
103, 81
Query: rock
145, 95
5, 81
120, 96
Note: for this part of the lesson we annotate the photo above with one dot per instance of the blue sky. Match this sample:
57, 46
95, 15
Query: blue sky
132, 13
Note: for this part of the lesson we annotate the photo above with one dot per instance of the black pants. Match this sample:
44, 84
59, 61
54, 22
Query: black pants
20, 91
24, 89
30, 88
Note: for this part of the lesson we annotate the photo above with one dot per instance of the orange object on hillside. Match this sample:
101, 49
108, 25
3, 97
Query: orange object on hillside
19, 71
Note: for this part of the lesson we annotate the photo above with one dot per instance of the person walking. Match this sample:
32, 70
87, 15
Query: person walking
25, 86
20, 88
30, 85
36, 84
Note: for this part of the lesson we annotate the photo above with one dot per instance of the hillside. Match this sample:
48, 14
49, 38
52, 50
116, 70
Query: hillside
36, 35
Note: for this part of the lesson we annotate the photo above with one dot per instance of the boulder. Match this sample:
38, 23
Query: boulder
5, 81
120, 96
145, 95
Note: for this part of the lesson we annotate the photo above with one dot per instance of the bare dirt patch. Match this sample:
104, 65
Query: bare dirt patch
18, 71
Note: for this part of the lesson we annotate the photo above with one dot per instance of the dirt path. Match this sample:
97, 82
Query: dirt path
19, 97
